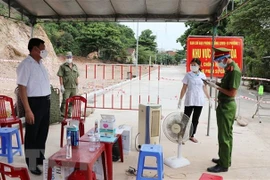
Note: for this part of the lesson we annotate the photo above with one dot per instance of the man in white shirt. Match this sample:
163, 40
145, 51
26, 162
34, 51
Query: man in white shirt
34, 90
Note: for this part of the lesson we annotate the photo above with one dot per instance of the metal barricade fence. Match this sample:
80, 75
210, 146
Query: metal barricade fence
121, 86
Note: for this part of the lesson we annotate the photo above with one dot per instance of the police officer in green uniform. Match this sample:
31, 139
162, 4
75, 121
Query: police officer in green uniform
68, 75
226, 109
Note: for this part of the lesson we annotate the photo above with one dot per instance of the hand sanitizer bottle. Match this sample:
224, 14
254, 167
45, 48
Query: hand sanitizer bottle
97, 135
69, 148
97, 138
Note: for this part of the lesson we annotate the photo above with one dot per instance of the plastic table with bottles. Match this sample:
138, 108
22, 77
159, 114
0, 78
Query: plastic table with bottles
80, 158
108, 142
80, 155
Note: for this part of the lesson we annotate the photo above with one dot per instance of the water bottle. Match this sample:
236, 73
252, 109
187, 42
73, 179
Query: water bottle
97, 137
69, 149
96, 126
92, 140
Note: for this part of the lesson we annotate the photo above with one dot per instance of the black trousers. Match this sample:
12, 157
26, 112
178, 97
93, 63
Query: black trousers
36, 134
195, 117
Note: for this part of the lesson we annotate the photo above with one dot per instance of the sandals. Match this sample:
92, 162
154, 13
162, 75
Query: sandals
193, 139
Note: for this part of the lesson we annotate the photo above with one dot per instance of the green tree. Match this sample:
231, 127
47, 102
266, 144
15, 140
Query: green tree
110, 39
180, 54
148, 40
127, 36
205, 28
252, 21
147, 47
166, 59
201, 28
144, 55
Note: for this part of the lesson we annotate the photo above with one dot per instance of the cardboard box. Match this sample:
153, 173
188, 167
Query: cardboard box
98, 169
107, 125
126, 138
62, 173
126, 132
58, 173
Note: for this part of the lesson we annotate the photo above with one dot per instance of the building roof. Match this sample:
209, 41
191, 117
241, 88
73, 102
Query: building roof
130, 51
171, 53
120, 10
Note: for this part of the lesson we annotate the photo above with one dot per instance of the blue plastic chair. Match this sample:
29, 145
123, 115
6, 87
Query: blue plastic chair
154, 151
6, 143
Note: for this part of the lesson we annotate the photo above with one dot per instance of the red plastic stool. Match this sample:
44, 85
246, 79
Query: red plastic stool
79, 175
206, 176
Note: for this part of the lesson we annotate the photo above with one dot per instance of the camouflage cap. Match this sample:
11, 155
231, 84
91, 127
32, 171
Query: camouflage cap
69, 54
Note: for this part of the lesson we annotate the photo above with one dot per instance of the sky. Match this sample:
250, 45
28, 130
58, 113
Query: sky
166, 33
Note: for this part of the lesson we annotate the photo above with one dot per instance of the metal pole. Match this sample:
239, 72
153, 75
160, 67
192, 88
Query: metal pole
137, 47
32, 30
33, 22
9, 9
211, 76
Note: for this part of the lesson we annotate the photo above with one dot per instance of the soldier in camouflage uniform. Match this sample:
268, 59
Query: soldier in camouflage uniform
226, 109
68, 75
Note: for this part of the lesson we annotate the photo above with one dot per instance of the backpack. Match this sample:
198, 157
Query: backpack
18, 106
55, 113
115, 152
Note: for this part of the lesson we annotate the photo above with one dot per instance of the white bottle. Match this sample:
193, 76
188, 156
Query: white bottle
92, 140
97, 137
69, 148
96, 126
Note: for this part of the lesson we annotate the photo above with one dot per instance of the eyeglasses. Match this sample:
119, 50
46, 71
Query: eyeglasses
69, 57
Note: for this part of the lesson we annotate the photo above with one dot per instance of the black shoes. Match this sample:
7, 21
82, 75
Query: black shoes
217, 168
40, 162
37, 171
215, 160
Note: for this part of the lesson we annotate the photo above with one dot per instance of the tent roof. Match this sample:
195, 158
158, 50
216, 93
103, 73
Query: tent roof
120, 10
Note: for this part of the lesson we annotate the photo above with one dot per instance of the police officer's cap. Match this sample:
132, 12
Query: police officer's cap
221, 53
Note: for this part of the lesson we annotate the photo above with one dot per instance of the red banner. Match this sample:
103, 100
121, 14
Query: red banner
201, 47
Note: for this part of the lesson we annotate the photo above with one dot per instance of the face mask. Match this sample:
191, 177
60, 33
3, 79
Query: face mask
43, 54
69, 60
222, 65
194, 68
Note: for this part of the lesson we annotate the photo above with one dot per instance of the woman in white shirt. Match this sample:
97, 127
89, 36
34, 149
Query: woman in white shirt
194, 88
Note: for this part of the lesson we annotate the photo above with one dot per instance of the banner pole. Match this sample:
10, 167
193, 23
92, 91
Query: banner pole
211, 75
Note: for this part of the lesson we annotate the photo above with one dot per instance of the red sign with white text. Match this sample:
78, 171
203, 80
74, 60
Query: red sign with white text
201, 47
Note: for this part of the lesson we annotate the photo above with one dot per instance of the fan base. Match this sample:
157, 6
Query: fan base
175, 162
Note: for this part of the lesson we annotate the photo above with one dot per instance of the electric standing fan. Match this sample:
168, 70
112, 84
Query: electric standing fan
176, 127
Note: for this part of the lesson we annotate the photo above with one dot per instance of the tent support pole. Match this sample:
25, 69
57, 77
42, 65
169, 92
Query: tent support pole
211, 75
33, 22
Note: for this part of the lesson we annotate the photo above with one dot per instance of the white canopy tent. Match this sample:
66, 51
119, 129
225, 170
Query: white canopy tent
122, 11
